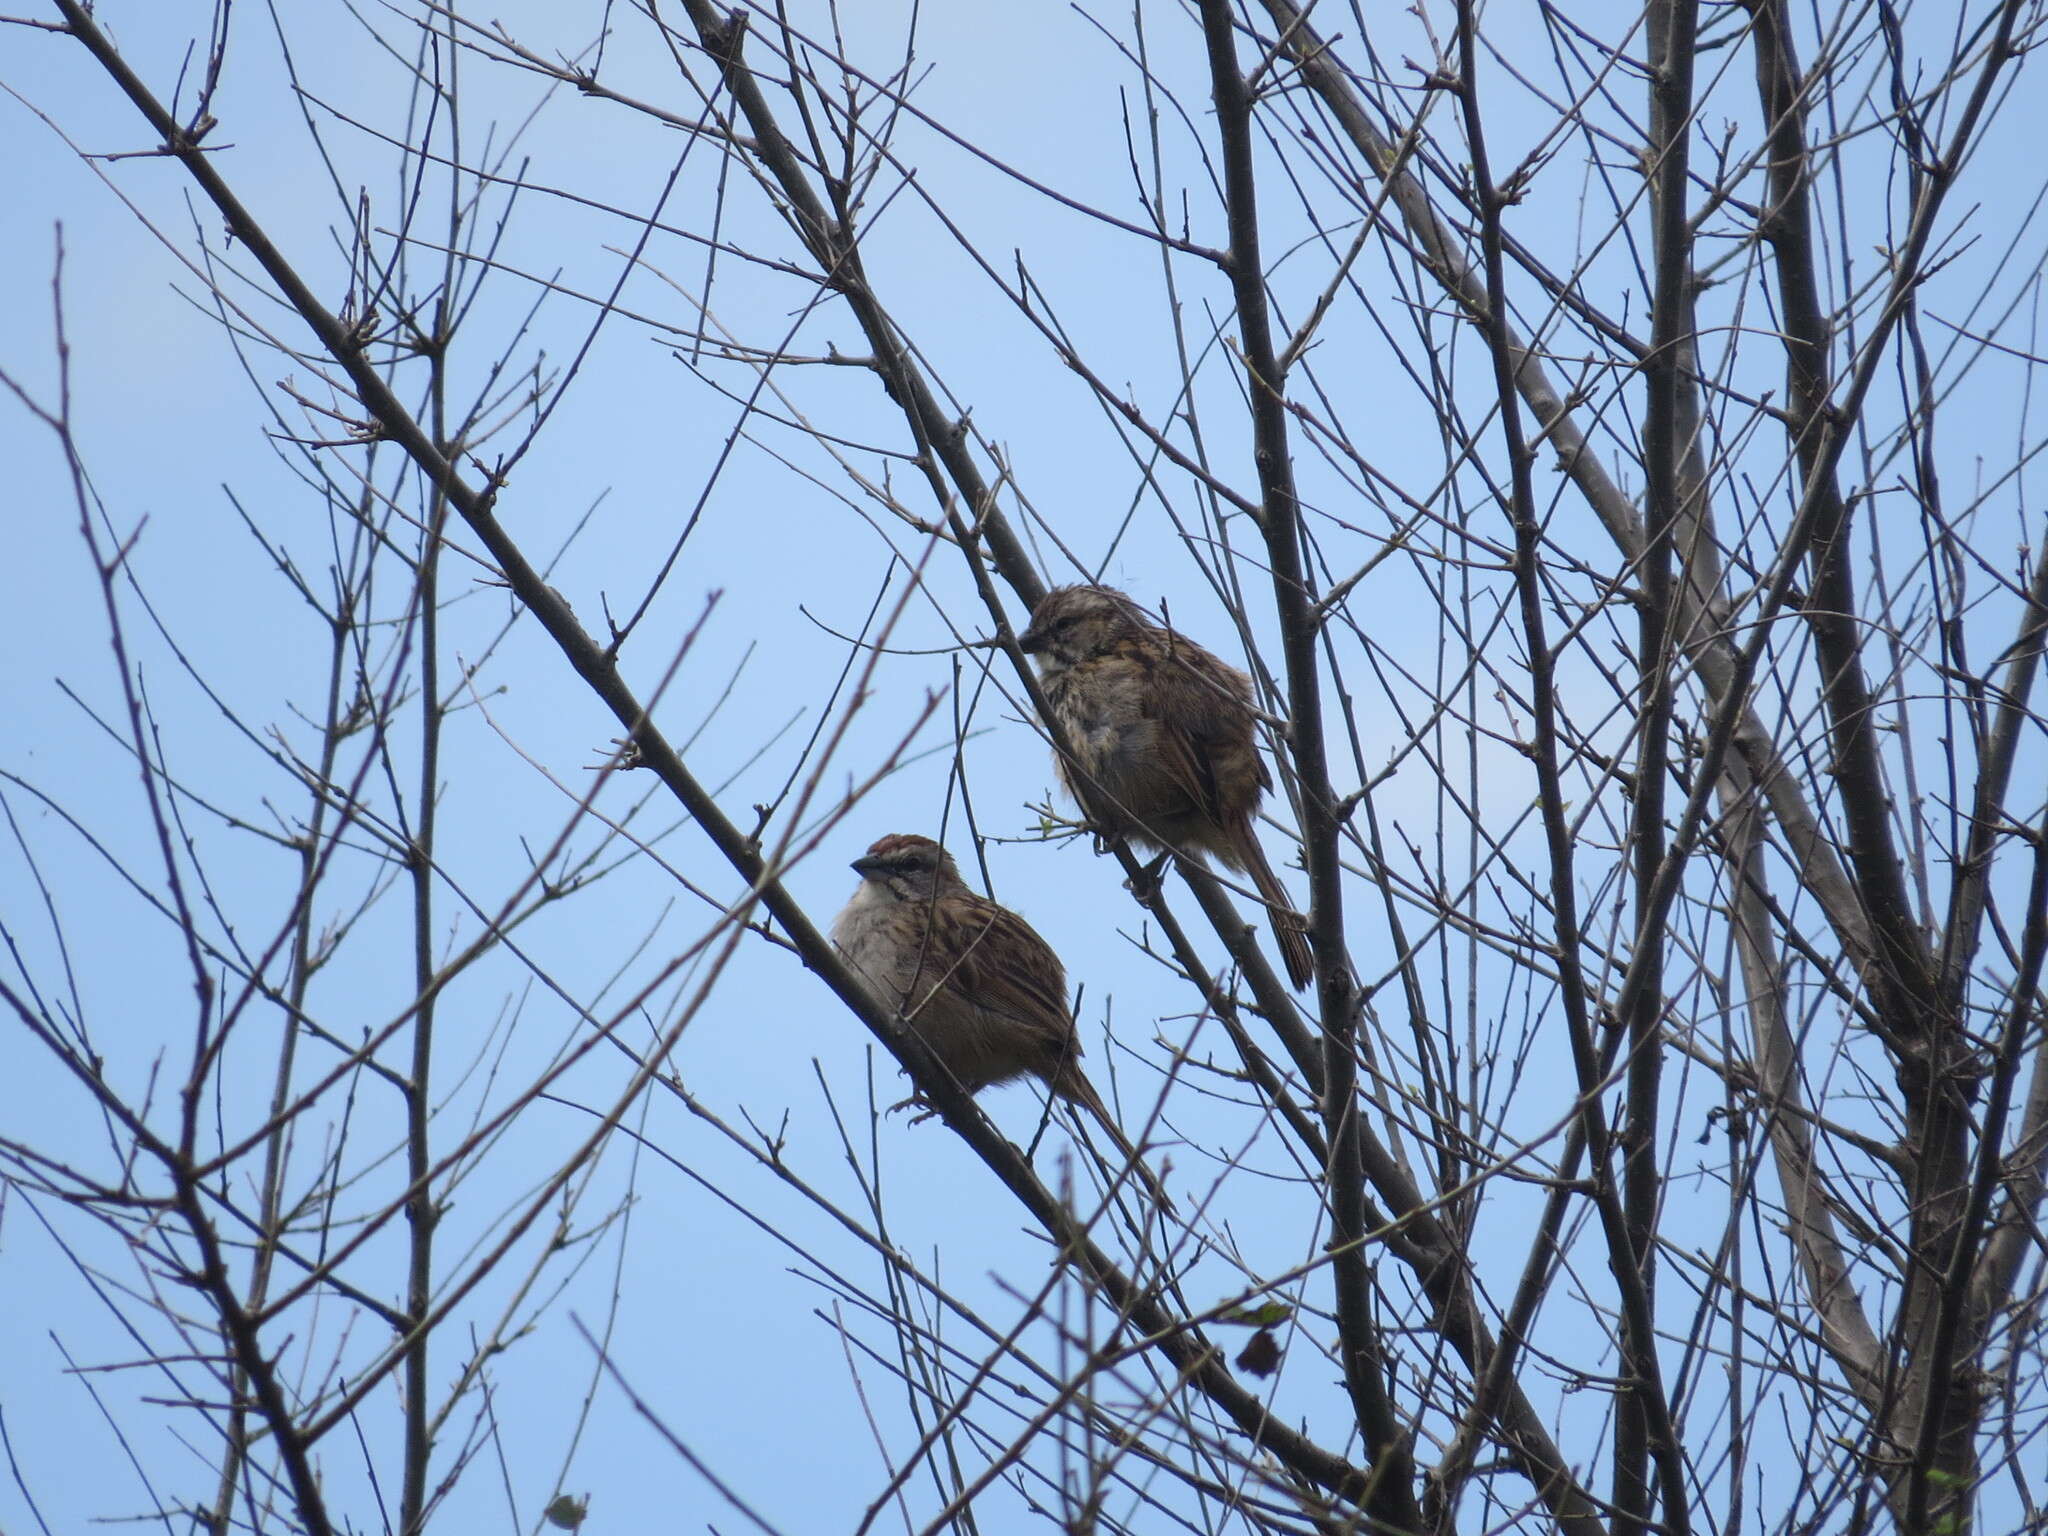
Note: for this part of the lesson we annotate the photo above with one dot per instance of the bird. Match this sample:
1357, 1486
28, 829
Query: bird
971, 978
1162, 736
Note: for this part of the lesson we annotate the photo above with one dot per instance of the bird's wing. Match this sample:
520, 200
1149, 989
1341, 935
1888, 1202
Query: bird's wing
1196, 732
1008, 969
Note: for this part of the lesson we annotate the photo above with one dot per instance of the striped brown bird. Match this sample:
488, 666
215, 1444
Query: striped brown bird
969, 976
1162, 734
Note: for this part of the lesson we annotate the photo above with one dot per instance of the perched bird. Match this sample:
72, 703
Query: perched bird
1162, 736
970, 977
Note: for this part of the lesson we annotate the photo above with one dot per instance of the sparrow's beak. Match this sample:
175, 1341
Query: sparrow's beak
1031, 642
863, 866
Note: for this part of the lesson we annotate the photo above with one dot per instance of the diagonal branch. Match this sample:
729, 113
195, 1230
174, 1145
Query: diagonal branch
1184, 1346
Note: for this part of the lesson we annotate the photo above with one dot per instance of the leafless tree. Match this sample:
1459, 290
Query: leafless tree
1607, 442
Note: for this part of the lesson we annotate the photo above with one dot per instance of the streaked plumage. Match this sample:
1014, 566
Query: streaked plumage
970, 977
1163, 734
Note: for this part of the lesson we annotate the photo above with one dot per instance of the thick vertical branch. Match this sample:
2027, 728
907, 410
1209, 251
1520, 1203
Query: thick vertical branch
1672, 26
1935, 1071
1902, 978
1933, 1054
422, 1210
1364, 1357
1933, 1499
1646, 1396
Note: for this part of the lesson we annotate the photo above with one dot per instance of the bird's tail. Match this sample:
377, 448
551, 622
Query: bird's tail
1290, 928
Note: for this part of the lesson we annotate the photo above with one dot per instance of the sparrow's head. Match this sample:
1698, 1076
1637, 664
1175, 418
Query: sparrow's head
1070, 624
908, 867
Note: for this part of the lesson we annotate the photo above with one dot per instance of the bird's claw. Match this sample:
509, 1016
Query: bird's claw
1146, 883
918, 1102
